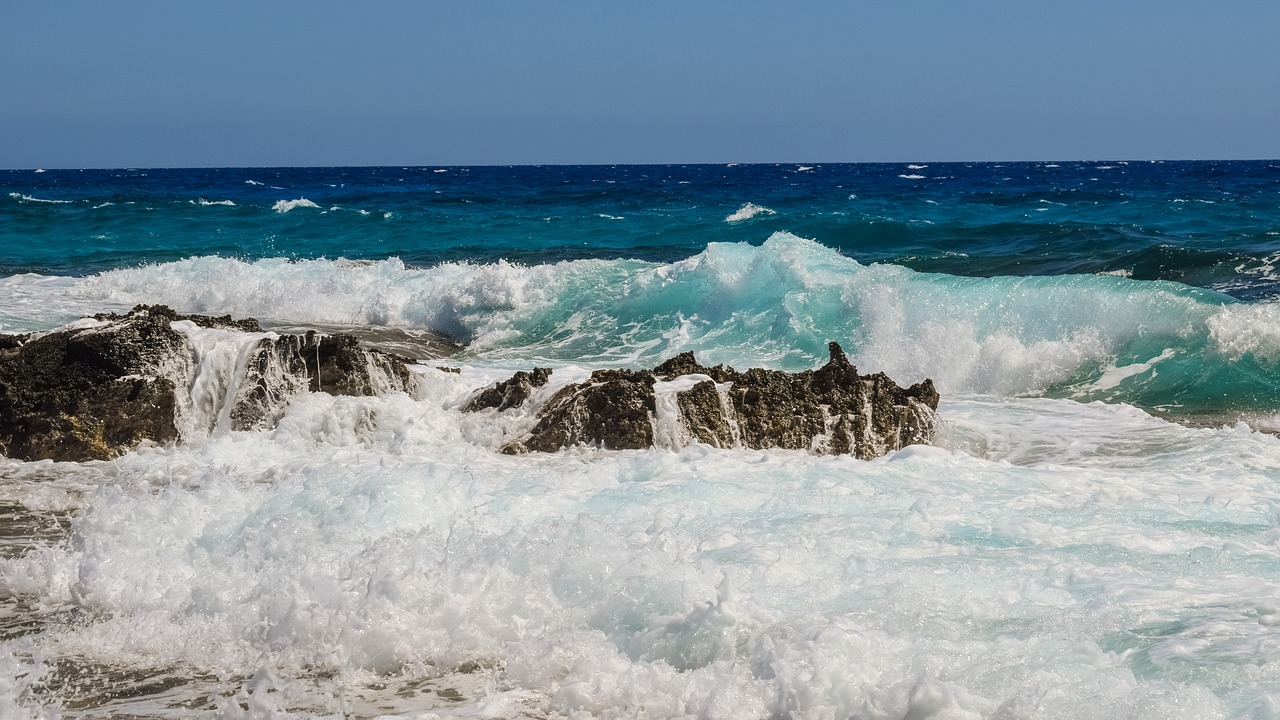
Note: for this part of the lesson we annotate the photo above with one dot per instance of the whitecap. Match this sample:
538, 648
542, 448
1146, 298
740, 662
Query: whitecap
284, 206
28, 198
207, 203
748, 211
917, 167
912, 177
610, 217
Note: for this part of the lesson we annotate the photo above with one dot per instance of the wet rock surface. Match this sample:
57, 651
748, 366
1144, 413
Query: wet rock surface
831, 410
509, 393
96, 389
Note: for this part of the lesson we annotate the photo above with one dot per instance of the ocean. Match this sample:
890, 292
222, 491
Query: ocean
1095, 534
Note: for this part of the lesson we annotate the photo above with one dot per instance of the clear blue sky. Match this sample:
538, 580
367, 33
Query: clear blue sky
228, 83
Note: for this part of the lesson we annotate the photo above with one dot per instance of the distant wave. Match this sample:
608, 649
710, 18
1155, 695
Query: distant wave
28, 198
748, 211
284, 206
912, 177
917, 167
207, 203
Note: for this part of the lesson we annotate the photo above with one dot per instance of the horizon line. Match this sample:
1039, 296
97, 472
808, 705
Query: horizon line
813, 163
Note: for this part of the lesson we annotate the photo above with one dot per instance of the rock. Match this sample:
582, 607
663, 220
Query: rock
613, 409
703, 414
91, 392
509, 393
85, 394
204, 321
279, 368
831, 410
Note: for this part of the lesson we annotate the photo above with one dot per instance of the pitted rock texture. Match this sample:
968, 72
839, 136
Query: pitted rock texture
830, 410
96, 391
509, 393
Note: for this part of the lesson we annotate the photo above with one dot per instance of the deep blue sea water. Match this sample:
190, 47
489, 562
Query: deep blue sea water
1096, 533
1207, 224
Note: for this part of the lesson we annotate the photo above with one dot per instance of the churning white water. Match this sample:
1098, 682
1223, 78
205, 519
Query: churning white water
376, 556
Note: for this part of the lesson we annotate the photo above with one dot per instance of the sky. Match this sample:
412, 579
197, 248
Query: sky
398, 82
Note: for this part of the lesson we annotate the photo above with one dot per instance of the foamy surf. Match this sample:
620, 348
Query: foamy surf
748, 211
1093, 534
775, 305
284, 206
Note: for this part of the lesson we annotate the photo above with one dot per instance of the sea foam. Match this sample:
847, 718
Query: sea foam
775, 305
284, 206
748, 211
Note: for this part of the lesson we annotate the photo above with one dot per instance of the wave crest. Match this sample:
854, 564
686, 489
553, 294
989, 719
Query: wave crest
748, 211
774, 305
284, 206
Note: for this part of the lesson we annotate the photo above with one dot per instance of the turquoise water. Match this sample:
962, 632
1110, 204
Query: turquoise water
1146, 283
1095, 534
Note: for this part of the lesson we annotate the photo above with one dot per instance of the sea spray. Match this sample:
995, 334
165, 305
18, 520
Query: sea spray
775, 305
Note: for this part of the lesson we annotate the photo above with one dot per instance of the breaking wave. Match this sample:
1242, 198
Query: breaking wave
777, 305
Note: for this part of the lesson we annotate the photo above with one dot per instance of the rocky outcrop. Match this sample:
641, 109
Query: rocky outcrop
831, 410
103, 386
613, 409
509, 393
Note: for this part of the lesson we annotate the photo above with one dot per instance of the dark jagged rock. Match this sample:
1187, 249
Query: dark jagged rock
832, 409
204, 321
335, 364
91, 393
686, 364
703, 414
613, 409
84, 394
509, 393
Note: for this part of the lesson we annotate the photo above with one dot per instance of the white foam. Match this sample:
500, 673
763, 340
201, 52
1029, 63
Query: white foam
207, 203
28, 198
1114, 375
1247, 329
917, 167
748, 211
1066, 560
284, 206
610, 217
252, 182
912, 177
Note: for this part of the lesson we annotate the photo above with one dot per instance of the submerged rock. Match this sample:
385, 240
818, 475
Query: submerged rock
831, 410
102, 386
